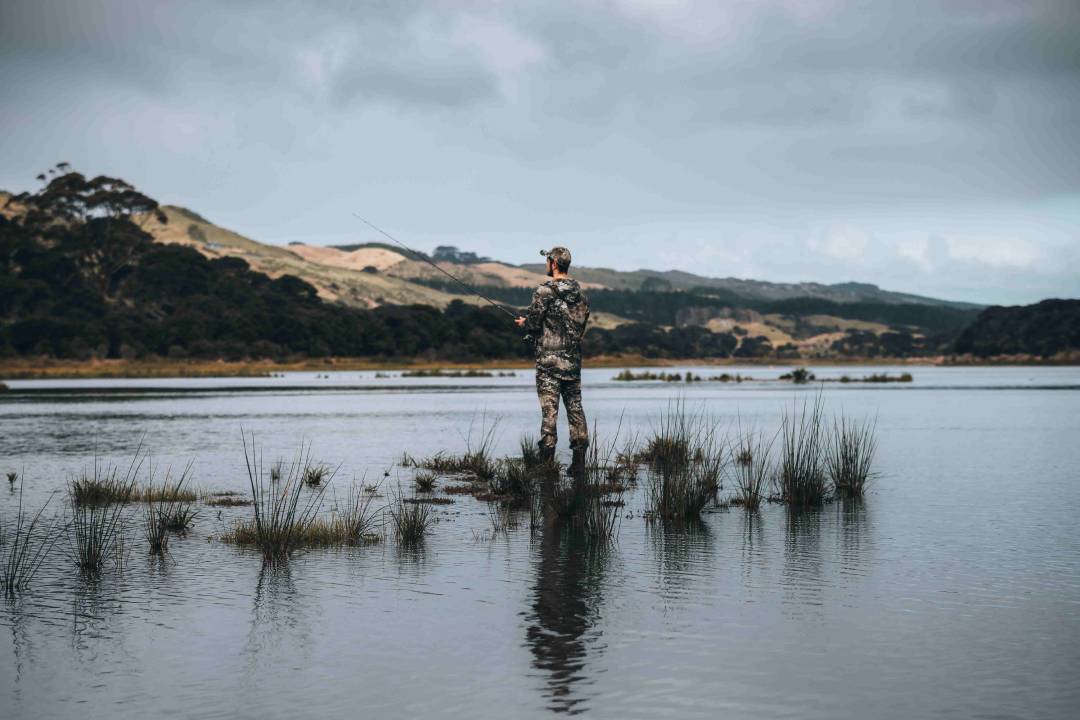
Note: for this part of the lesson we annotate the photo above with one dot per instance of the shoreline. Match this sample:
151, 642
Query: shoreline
44, 369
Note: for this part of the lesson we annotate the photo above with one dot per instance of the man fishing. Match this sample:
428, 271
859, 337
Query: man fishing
556, 320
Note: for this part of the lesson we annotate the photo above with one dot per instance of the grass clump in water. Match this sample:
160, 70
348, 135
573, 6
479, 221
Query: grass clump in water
800, 479
97, 523
850, 456
425, 481
476, 463
169, 511
12, 477
318, 473
281, 520
686, 463
750, 467
411, 521
27, 547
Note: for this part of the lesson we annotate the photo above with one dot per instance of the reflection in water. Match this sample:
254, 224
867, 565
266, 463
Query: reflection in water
277, 615
566, 604
682, 552
853, 538
802, 578
22, 648
753, 542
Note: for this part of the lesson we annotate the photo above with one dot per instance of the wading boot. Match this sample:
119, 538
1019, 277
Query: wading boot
577, 465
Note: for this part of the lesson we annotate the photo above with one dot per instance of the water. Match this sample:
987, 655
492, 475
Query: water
953, 591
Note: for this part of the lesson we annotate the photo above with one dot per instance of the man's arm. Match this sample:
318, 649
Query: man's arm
533, 320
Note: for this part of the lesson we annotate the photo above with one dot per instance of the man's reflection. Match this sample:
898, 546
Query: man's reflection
565, 607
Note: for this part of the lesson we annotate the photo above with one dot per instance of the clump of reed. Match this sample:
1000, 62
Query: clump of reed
169, 510
317, 473
411, 521
281, 518
686, 463
424, 481
530, 452
97, 523
750, 467
12, 477
649, 376
514, 479
800, 478
105, 486
850, 455
28, 545
476, 462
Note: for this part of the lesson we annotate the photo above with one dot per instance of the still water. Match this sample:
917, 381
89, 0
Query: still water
952, 591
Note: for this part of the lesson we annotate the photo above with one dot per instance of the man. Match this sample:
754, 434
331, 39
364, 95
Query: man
556, 320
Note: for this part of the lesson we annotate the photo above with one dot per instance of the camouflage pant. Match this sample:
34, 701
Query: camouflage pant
549, 387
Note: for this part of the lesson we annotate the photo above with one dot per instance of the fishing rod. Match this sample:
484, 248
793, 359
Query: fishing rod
432, 263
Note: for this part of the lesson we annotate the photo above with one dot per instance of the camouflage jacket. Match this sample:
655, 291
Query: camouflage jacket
556, 320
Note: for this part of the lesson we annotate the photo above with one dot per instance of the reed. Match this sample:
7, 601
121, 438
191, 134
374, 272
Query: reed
12, 477
686, 462
530, 452
800, 478
476, 462
98, 525
750, 467
27, 547
280, 519
318, 473
411, 521
169, 510
514, 479
850, 454
425, 481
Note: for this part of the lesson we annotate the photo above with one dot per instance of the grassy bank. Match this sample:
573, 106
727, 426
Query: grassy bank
38, 368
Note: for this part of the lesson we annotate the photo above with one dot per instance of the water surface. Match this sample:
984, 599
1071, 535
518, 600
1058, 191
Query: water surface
952, 591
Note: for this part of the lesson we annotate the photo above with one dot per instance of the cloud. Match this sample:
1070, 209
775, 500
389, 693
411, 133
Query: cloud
895, 142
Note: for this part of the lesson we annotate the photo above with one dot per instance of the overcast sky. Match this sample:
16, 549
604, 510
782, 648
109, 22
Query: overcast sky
930, 147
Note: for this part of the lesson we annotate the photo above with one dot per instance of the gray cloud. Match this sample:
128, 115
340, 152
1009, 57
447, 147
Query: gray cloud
791, 139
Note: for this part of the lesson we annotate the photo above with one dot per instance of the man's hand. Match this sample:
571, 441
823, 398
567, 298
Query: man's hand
520, 321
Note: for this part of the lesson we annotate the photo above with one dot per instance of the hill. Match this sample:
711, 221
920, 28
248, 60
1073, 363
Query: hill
656, 314
1045, 329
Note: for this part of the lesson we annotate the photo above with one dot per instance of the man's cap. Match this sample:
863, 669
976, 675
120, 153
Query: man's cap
559, 254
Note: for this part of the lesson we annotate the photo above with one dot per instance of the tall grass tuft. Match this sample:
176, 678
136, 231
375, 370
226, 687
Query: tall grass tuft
530, 452
411, 520
280, 518
318, 473
12, 477
686, 464
425, 481
168, 511
800, 479
750, 467
98, 525
27, 547
850, 456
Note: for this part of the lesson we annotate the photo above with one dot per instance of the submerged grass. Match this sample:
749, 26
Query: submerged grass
850, 456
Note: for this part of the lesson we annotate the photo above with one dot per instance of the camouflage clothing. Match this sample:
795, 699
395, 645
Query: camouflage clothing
557, 319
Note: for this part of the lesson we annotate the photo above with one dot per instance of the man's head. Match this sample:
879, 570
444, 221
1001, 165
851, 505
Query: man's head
558, 258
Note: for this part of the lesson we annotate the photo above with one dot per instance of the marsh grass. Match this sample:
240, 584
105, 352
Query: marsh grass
514, 479
97, 522
411, 521
850, 456
476, 462
27, 547
226, 499
169, 510
12, 477
751, 467
800, 478
425, 481
530, 452
318, 473
281, 518
686, 461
